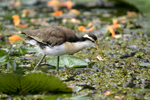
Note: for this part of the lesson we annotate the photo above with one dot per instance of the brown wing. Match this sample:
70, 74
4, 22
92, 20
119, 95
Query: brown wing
53, 35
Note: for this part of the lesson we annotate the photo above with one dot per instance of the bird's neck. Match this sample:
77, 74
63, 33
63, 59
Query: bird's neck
84, 44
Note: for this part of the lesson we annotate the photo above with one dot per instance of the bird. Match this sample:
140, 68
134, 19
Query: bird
57, 41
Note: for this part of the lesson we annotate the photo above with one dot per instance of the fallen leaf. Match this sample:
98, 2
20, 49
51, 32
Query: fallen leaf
81, 28
14, 38
90, 29
27, 55
115, 24
90, 24
99, 57
16, 20
58, 13
111, 31
54, 4
69, 4
25, 65
115, 21
107, 93
118, 98
74, 11
71, 87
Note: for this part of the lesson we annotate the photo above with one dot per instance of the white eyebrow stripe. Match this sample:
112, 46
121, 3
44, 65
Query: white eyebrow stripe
86, 36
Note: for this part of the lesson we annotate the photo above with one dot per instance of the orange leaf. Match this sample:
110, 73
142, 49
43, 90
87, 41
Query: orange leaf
90, 24
115, 24
69, 4
111, 31
16, 20
74, 11
107, 93
14, 38
58, 13
53, 3
81, 28
70, 87
90, 29
115, 21
118, 98
27, 55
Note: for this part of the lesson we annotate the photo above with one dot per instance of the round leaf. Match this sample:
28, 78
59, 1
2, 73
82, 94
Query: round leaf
69, 61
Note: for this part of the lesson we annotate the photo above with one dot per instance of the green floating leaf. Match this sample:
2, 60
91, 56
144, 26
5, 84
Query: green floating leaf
69, 61
3, 56
31, 83
144, 64
82, 97
141, 5
43, 97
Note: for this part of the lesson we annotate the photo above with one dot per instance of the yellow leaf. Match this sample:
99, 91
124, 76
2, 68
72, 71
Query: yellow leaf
14, 38
58, 13
16, 20
69, 4
107, 93
81, 28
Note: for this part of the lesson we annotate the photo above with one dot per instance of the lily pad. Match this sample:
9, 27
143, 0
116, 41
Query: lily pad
31, 83
69, 61
82, 97
139, 4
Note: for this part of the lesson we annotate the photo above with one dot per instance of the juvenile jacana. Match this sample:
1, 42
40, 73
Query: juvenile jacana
57, 41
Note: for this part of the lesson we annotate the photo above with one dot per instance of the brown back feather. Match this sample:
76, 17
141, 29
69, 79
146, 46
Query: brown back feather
55, 35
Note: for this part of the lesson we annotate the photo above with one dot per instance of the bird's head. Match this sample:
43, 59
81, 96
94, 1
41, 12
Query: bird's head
93, 40
90, 37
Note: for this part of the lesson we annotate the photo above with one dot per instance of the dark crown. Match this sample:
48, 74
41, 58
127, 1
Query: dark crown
92, 36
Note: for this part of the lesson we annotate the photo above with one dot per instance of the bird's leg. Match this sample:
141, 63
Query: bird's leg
57, 68
35, 68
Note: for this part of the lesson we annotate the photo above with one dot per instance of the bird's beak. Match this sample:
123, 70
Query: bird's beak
98, 48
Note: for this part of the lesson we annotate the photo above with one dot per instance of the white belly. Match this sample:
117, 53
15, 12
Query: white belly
52, 51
